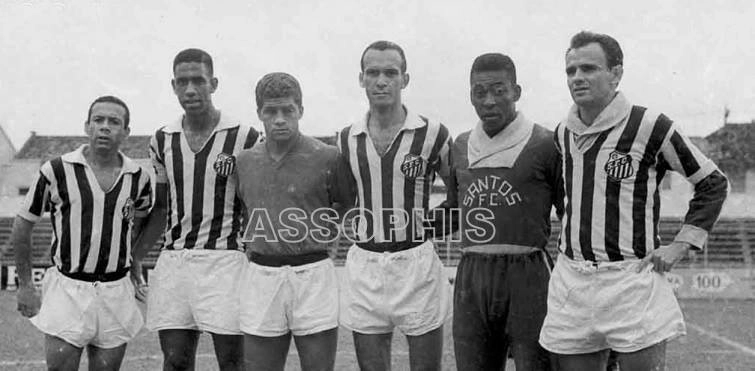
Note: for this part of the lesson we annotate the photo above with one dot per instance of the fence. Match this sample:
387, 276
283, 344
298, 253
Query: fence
723, 269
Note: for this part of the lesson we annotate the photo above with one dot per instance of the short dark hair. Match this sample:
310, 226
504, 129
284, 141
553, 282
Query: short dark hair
385, 45
193, 55
614, 55
111, 99
494, 62
277, 85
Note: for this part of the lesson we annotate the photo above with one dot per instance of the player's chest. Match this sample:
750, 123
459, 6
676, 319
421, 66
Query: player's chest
493, 187
97, 191
105, 178
195, 141
289, 179
404, 157
611, 161
187, 156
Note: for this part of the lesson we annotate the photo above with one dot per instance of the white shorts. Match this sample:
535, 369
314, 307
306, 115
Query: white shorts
608, 307
301, 299
196, 290
103, 314
405, 289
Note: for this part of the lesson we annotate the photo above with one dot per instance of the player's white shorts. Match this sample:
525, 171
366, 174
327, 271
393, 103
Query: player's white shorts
406, 289
103, 314
196, 290
609, 306
300, 299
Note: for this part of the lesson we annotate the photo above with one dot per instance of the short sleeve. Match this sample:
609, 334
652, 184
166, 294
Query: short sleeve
39, 194
157, 156
146, 198
684, 157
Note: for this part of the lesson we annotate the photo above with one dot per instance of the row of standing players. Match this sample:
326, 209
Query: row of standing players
600, 170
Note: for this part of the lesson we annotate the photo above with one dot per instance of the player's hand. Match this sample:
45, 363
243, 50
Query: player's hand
28, 301
664, 258
141, 288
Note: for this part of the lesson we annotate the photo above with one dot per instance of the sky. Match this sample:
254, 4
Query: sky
687, 59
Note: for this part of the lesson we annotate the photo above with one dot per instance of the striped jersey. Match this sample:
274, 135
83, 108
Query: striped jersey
394, 187
91, 227
612, 171
204, 210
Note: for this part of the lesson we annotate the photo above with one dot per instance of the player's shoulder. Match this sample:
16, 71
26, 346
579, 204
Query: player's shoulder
251, 153
54, 162
431, 122
316, 147
540, 132
462, 140
158, 137
649, 115
542, 139
348, 129
652, 121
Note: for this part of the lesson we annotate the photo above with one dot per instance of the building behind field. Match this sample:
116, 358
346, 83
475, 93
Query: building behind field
7, 150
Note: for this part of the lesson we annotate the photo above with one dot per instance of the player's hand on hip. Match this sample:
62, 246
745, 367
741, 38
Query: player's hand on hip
664, 257
28, 301
141, 289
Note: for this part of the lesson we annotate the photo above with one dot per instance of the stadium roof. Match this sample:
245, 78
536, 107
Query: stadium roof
45, 147
733, 142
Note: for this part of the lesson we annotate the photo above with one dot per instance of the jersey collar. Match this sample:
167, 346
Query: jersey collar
77, 157
224, 123
614, 113
412, 122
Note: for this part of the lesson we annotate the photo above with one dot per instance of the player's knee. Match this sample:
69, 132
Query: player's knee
233, 363
177, 360
105, 364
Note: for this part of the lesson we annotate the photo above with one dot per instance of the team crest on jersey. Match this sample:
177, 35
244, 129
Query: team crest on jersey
225, 164
619, 166
128, 210
413, 166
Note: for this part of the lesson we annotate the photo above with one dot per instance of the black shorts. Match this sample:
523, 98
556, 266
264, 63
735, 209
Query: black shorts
500, 301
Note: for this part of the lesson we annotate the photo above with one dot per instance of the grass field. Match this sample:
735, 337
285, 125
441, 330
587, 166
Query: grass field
721, 336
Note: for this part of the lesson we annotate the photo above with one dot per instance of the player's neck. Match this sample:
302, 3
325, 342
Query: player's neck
589, 114
202, 122
279, 148
386, 117
102, 158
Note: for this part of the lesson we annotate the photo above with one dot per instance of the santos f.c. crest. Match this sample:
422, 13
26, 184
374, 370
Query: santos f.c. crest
619, 166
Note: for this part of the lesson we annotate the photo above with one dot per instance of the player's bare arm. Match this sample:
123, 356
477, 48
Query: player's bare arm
28, 300
154, 223
138, 253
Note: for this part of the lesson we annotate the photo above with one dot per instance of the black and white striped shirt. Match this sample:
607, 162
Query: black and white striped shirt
395, 186
204, 211
612, 171
91, 227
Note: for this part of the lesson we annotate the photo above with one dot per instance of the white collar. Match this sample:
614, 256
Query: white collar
613, 114
412, 122
77, 157
224, 123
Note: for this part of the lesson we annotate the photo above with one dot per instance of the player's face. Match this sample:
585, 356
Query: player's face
591, 83
382, 78
494, 97
281, 118
194, 86
106, 126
